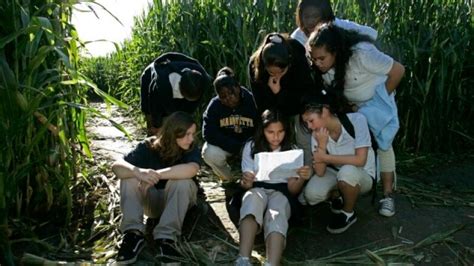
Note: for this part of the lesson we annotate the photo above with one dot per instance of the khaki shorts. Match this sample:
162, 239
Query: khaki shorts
318, 188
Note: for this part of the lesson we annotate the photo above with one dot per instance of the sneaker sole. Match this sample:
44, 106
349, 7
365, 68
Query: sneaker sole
132, 260
340, 230
386, 213
170, 264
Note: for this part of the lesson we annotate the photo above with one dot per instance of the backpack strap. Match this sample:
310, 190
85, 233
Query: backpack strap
347, 124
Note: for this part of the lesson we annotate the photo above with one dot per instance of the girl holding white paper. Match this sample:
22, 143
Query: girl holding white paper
343, 159
267, 205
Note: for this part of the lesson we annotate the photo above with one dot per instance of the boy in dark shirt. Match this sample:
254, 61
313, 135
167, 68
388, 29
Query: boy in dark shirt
173, 82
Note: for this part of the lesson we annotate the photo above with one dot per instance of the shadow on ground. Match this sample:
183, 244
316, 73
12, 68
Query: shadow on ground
433, 224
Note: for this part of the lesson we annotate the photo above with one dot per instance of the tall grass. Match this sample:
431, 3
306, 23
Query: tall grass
42, 134
433, 39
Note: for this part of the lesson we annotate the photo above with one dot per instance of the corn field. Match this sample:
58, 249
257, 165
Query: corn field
43, 110
433, 39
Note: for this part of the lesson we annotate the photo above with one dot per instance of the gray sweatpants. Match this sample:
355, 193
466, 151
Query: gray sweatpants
169, 205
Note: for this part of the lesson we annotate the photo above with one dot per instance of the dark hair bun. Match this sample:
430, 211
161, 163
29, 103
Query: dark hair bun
225, 71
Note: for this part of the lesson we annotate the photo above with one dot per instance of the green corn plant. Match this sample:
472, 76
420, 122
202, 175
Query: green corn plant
43, 110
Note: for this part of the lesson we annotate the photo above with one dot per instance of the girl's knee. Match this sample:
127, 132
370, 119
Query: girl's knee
182, 185
348, 175
315, 195
386, 160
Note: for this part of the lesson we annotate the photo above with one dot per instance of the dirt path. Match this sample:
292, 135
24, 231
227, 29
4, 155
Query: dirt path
420, 234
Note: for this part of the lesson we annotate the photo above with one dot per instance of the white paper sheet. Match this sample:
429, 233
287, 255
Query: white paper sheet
276, 167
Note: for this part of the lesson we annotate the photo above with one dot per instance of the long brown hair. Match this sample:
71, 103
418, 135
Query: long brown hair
174, 127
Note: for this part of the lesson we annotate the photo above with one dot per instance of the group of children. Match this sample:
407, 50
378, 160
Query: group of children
326, 90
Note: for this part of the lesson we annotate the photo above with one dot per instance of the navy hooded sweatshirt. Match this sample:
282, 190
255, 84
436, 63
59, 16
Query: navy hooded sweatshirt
230, 128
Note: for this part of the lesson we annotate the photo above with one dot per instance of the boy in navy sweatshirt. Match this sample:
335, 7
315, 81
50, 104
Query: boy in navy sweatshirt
228, 122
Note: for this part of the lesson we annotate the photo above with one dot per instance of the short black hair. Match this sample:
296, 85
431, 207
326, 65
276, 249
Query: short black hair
192, 84
323, 6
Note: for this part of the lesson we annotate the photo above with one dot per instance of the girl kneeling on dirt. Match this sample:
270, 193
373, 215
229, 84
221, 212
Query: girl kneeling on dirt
343, 160
267, 205
228, 122
156, 180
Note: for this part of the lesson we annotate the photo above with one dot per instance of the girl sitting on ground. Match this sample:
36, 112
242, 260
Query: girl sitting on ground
267, 205
156, 179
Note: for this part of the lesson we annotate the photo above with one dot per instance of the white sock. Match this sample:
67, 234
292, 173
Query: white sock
348, 214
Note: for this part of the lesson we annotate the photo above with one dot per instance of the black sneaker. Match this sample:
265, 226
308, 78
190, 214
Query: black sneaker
340, 222
167, 252
132, 244
336, 205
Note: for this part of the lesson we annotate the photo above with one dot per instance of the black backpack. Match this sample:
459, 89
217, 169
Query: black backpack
174, 56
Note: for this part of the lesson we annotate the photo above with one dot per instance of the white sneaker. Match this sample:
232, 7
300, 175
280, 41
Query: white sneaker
243, 261
387, 207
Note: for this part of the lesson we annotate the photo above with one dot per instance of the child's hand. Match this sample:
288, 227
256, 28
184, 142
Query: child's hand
304, 172
274, 84
322, 136
147, 176
247, 180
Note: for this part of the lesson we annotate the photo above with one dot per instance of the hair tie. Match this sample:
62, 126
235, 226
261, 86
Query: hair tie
275, 38
323, 92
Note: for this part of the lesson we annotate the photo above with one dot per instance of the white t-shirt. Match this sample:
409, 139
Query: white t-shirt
175, 79
300, 36
367, 68
346, 145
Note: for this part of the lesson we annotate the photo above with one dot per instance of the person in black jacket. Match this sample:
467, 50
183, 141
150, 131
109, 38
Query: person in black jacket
228, 122
172, 82
280, 74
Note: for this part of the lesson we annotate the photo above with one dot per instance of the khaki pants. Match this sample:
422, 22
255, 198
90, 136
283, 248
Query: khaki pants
318, 188
169, 205
216, 158
386, 160
270, 209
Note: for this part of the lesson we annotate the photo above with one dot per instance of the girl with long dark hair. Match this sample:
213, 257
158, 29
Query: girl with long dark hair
267, 205
355, 70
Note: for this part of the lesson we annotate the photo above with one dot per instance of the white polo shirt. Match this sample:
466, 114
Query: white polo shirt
367, 68
346, 145
300, 36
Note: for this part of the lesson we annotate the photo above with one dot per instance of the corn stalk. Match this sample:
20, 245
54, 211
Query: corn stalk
42, 130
